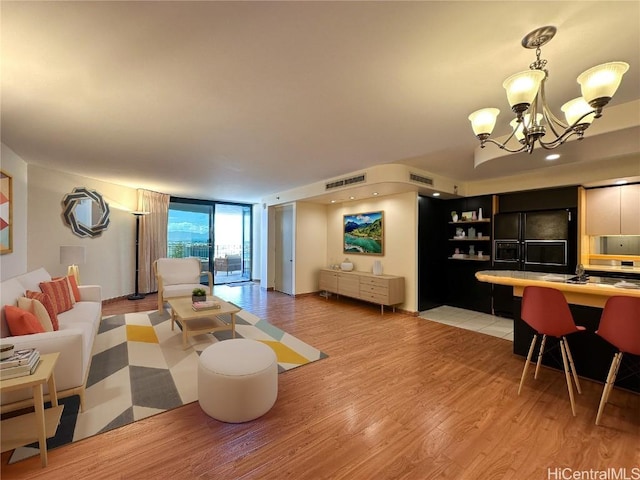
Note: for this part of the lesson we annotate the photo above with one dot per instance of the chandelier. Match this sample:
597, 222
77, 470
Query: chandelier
526, 95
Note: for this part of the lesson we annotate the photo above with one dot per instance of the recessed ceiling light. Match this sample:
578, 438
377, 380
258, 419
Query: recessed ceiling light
333, 201
375, 194
436, 194
352, 198
553, 156
621, 182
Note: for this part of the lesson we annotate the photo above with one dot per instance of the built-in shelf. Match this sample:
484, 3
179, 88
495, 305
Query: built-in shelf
473, 258
468, 239
484, 220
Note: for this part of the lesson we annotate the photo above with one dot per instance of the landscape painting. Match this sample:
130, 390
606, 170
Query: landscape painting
364, 233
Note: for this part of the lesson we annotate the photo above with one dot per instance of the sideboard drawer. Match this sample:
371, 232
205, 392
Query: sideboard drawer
381, 289
375, 289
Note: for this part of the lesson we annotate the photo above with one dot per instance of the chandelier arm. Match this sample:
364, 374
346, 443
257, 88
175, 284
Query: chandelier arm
503, 146
548, 114
560, 140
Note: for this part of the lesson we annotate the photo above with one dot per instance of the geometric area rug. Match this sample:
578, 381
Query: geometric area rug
140, 369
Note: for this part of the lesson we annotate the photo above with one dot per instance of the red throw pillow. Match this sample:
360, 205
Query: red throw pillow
58, 291
21, 322
48, 304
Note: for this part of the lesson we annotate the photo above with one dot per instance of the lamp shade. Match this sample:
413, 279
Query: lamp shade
484, 120
523, 87
602, 81
72, 255
519, 126
576, 108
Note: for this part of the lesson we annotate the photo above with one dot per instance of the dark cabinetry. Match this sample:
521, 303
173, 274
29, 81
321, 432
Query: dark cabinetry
464, 290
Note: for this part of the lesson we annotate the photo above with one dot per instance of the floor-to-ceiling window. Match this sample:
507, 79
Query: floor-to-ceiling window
218, 233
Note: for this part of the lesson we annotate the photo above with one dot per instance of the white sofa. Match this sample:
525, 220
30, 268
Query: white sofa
73, 340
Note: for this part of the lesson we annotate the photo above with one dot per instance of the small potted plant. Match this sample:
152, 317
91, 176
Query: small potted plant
198, 295
454, 216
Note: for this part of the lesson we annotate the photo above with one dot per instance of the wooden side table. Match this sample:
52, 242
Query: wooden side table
38, 425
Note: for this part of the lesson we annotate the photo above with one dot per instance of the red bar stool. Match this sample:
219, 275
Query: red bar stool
620, 326
547, 312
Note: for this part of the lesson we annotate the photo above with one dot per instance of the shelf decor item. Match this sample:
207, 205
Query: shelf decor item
480, 214
454, 216
467, 216
364, 233
346, 266
377, 267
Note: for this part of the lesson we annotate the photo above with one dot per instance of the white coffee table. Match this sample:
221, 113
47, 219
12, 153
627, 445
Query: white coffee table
204, 321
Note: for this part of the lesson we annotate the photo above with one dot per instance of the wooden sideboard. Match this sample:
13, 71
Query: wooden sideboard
380, 289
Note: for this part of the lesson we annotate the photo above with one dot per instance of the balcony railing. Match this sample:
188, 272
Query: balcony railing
201, 250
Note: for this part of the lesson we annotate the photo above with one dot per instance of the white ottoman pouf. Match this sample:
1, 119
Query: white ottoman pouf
237, 380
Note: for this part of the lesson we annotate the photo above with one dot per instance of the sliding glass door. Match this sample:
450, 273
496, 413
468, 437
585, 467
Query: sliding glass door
217, 233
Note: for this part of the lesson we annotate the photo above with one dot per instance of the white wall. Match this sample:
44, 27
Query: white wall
400, 239
310, 245
110, 258
15, 263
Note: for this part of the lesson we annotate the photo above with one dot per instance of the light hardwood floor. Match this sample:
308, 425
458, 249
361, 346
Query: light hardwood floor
398, 397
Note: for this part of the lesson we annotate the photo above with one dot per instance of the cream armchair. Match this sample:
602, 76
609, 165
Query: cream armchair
177, 277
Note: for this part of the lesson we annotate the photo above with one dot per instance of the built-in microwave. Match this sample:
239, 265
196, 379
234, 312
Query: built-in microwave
506, 251
545, 252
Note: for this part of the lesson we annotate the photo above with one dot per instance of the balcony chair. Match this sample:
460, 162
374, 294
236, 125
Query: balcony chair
620, 326
228, 263
546, 311
177, 277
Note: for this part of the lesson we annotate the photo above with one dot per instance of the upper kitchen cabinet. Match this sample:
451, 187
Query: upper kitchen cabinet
613, 210
630, 209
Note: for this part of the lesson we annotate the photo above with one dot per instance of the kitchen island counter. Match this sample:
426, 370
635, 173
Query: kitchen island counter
594, 293
592, 354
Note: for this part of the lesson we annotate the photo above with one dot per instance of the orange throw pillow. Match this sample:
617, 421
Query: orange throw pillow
74, 287
21, 322
58, 291
48, 304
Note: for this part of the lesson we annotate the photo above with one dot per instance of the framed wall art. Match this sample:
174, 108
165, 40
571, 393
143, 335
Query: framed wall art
6, 213
364, 233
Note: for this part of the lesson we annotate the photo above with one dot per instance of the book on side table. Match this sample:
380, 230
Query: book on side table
22, 362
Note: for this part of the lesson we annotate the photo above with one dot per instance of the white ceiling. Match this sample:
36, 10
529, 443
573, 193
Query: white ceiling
239, 100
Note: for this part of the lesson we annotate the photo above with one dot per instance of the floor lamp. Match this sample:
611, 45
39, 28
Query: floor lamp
137, 295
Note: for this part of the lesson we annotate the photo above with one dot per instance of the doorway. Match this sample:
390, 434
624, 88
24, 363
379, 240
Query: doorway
283, 281
217, 233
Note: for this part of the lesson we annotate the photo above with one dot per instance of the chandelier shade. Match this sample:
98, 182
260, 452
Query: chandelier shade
483, 121
576, 109
602, 81
522, 88
535, 122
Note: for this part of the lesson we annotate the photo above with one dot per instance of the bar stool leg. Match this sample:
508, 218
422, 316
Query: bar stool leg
542, 344
567, 375
611, 376
572, 366
527, 361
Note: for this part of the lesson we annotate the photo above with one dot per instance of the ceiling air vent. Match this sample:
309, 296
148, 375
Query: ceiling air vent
420, 179
344, 182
